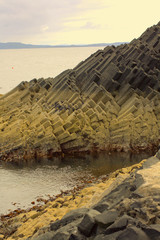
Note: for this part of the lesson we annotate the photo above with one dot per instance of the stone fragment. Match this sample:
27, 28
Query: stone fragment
60, 236
45, 236
112, 236
68, 218
132, 233
120, 224
101, 207
106, 218
88, 222
77, 237
152, 231
158, 154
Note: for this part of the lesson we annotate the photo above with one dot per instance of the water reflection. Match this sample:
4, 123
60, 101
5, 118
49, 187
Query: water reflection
24, 183
101, 163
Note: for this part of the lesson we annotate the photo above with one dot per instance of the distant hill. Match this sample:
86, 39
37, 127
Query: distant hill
18, 45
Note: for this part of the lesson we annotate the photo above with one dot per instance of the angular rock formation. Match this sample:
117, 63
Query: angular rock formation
110, 101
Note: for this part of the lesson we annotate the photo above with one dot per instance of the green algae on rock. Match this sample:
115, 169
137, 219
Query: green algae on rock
109, 102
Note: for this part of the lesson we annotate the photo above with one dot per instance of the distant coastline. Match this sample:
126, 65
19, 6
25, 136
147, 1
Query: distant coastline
18, 45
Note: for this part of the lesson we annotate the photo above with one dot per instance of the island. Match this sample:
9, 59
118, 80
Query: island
108, 102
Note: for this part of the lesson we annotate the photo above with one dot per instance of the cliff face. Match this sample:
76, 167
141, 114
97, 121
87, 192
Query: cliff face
110, 101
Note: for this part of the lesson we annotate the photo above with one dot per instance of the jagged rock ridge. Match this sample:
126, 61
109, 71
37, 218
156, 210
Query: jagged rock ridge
110, 101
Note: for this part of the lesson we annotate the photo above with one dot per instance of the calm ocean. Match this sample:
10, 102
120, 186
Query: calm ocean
19, 65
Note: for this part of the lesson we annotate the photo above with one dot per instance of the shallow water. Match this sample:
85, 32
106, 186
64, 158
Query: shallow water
23, 184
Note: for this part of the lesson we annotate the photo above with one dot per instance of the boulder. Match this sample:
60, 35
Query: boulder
120, 224
88, 223
106, 218
101, 206
68, 218
60, 236
77, 237
45, 236
132, 233
152, 231
112, 236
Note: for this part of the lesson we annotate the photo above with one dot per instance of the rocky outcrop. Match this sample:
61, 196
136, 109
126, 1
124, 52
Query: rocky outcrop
110, 101
124, 206
28, 223
131, 212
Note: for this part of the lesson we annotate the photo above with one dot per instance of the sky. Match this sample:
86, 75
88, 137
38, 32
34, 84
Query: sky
57, 22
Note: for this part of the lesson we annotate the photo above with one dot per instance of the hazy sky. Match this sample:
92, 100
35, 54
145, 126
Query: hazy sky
75, 21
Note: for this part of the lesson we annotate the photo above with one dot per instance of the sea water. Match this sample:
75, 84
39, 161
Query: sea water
19, 65
20, 185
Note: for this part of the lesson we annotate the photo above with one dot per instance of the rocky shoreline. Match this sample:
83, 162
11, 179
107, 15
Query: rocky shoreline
129, 210
109, 102
123, 206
